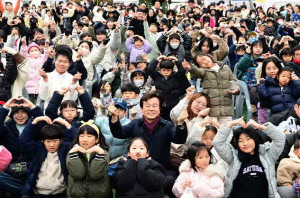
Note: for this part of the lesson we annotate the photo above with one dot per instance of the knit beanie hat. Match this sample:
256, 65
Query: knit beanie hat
33, 44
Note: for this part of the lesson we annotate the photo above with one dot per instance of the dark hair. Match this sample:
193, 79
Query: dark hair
91, 131
64, 50
284, 69
87, 42
100, 31
194, 150
297, 144
1, 66
209, 41
38, 30
138, 138
150, 95
68, 104
255, 43
137, 39
138, 73
166, 64
297, 47
202, 54
211, 128
285, 51
194, 97
85, 35
52, 131
97, 88
268, 60
130, 87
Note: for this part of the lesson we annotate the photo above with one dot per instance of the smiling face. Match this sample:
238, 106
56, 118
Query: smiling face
87, 141
138, 150
208, 138
62, 64
271, 69
284, 78
20, 117
198, 105
202, 159
69, 113
151, 109
246, 144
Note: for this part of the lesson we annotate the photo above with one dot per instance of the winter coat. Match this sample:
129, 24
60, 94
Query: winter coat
134, 52
216, 86
159, 141
291, 125
7, 78
171, 88
289, 169
5, 158
233, 57
295, 67
249, 77
88, 178
182, 52
289, 143
280, 99
205, 183
268, 154
85, 101
244, 63
117, 147
139, 179
9, 137
138, 26
219, 54
152, 38
36, 153
32, 84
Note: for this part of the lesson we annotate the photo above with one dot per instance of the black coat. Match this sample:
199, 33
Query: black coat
7, 78
143, 178
138, 27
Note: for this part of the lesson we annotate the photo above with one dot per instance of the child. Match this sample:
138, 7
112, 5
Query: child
251, 165
130, 93
199, 174
36, 60
139, 78
68, 108
215, 83
286, 55
138, 175
137, 45
47, 173
169, 84
288, 170
5, 158
87, 164
281, 92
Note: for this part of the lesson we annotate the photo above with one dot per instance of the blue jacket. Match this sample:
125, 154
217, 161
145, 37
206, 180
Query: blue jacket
117, 147
85, 101
36, 153
9, 137
280, 99
159, 141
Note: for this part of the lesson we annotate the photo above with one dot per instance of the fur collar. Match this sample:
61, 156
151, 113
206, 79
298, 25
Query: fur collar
210, 171
293, 156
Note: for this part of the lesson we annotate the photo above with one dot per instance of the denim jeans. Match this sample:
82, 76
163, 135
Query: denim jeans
11, 185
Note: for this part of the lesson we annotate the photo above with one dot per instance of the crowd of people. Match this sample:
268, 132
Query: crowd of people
102, 101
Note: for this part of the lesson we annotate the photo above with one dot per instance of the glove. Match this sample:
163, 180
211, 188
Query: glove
105, 41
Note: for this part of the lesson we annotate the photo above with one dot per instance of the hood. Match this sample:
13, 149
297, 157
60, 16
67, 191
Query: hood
14, 109
132, 102
209, 171
293, 156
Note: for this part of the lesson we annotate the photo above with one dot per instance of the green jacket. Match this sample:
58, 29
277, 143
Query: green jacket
244, 63
216, 86
88, 179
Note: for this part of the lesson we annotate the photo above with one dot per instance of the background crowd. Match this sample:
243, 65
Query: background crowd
100, 100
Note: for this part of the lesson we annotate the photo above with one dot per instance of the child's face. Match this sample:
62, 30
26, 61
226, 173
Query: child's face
87, 141
257, 49
271, 69
202, 159
297, 152
284, 78
52, 145
20, 117
166, 72
34, 52
205, 61
207, 138
69, 113
174, 41
142, 66
127, 95
138, 78
131, 68
287, 58
138, 44
205, 47
138, 150
246, 144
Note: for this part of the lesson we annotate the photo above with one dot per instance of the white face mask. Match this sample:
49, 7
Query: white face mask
139, 83
280, 22
174, 46
85, 51
252, 16
35, 54
65, 15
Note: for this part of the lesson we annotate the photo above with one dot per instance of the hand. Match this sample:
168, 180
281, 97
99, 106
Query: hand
115, 69
203, 112
145, 56
172, 58
295, 77
122, 56
42, 118
79, 53
63, 91
239, 121
254, 124
51, 51
234, 92
190, 92
206, 120
95, 149
63, 122
186, 65
133, 113
215, 123
80, 90
44, 75
77, 148
25, 103
10, 103
112, 109
162, 57
184, 115
76, 78
186, 184
105, 41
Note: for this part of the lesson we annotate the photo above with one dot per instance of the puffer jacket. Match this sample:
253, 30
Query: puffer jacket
216, 86
268, 154
280, 99
7, 78
134, 52
117, 147
205, 183
141, 178
88, 178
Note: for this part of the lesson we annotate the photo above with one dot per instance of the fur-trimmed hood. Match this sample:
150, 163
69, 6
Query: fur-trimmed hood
210, 170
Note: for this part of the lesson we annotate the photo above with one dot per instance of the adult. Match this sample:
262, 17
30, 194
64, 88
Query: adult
138, 22
157, 132
295, 65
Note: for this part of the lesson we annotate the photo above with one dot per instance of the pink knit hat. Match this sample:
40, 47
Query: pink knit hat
5, 158
33, 44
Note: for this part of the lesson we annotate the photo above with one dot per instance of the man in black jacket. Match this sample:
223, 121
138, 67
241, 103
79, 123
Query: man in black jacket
157, 132
138, 23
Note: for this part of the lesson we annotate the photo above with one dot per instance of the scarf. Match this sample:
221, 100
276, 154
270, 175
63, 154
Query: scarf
297, 61
150, 126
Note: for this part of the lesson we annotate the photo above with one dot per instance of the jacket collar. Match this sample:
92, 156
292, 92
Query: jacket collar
161, 121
